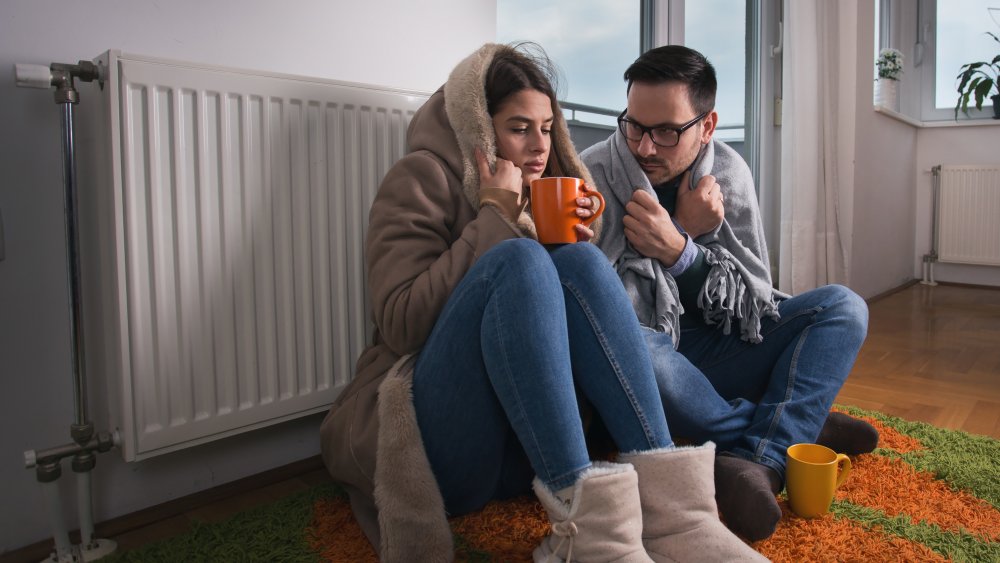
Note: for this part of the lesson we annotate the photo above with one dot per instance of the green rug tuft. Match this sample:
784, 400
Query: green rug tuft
273, 532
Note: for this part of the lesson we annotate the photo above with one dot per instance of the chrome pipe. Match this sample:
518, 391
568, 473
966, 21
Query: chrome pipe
73, 267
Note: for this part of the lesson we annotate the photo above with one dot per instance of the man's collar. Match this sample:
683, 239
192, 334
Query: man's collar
671, 184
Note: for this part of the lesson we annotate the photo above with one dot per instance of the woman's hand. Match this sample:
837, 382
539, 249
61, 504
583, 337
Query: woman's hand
584, 210
507, 176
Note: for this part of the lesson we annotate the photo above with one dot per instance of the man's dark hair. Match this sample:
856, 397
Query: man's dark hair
676, 63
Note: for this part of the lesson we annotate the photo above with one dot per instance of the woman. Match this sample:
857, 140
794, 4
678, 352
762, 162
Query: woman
484, 338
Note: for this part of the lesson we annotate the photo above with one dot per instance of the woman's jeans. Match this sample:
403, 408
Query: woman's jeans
755, 400
495, 386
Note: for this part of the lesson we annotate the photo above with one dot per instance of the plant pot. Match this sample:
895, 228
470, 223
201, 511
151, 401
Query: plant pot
887, 93
996, 106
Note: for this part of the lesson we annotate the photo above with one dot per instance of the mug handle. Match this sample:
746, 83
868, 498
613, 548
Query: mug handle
587, 192
843, 469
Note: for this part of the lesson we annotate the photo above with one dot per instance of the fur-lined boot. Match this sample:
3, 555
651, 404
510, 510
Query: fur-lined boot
600, 522
680, 519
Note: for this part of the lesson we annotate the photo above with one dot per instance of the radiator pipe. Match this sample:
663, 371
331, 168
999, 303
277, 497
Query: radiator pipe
82, 428
67, 96
85, 443
930, 259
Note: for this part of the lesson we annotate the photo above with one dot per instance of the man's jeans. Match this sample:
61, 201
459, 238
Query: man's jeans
498, 377
755, 400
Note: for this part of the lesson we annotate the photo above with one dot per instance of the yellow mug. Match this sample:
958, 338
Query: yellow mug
812, 475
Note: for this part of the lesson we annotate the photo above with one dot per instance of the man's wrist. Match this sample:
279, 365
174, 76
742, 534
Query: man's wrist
685, 259
674, 250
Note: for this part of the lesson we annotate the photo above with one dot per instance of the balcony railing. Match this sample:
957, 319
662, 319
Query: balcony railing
604, 118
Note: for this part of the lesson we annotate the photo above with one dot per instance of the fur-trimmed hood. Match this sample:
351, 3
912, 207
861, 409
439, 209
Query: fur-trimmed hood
455, 121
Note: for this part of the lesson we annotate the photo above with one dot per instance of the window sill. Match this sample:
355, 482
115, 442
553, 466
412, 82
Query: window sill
931, 124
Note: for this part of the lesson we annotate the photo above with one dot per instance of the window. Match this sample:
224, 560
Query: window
726, 48
591, 42
593, 56
936, 39
961, 38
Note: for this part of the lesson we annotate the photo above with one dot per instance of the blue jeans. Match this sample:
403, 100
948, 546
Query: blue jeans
755, 400
495, 386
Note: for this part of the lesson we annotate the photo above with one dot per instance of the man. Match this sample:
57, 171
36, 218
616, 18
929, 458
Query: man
753, 370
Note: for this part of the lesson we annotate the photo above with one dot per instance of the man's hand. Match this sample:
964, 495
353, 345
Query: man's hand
649, 228
700, 210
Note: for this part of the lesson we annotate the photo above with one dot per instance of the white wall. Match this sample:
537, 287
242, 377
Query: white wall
892, 198
395, 43
884, 181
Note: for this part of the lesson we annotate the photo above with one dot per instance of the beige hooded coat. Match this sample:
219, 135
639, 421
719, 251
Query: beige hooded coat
426, 230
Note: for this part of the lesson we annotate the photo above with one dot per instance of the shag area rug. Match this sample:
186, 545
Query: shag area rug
926, 494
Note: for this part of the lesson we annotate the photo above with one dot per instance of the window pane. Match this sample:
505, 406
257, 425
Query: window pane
717, 29
962, 39
592, 42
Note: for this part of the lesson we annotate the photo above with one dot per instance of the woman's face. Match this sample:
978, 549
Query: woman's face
523, 124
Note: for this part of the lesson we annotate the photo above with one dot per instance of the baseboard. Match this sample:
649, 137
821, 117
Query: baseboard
141, 518
969, 285
892, 291
913, 282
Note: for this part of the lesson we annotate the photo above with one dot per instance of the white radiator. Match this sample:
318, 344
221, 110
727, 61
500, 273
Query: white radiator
968, 215
222, 251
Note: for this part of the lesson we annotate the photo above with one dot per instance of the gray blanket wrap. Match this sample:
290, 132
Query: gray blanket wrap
738, 286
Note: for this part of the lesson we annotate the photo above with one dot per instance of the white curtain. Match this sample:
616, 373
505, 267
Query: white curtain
819, 94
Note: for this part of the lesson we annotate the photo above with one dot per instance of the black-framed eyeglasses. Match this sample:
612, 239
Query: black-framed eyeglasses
662, 135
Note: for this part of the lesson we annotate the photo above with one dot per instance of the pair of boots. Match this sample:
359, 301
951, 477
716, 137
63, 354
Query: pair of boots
653, 506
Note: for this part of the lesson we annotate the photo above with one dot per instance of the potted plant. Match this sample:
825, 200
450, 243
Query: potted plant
890, 68
979, 80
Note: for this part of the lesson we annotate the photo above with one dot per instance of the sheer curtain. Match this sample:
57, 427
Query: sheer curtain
819, 86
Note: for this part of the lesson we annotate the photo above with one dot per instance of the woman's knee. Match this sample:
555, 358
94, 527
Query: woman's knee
581, 252
518, 257
583, 263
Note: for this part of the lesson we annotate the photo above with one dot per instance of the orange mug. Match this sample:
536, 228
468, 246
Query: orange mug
553, 208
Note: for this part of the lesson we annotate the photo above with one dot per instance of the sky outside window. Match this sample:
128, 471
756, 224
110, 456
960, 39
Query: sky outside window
717, 29
591, 42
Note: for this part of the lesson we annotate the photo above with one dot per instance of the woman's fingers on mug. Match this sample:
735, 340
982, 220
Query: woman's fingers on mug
583, 233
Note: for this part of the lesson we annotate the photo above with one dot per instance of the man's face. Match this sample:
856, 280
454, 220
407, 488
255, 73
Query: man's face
666, 104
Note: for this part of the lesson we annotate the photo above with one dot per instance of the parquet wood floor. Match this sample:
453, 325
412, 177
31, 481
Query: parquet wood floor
932, 354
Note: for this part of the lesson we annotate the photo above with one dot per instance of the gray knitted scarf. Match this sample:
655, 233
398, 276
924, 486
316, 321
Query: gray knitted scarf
738, 285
